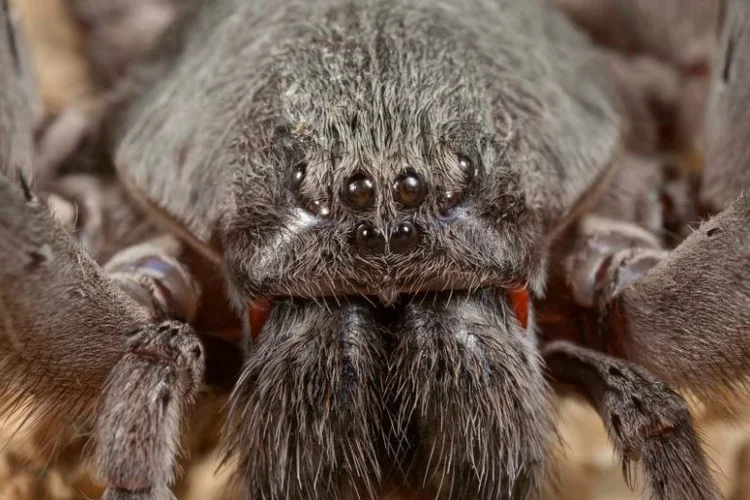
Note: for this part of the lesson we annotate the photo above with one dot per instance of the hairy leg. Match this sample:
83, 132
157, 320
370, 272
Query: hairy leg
64, 324
727, 170
683, 314
470, 409
647, 421
75, 349
140, 412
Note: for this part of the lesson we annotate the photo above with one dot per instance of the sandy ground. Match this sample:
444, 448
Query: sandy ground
590, 470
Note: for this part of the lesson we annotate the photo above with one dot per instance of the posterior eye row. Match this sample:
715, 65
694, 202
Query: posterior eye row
410, 190
358, 193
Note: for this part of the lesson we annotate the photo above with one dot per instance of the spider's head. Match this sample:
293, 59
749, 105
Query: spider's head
360, 173
423, 212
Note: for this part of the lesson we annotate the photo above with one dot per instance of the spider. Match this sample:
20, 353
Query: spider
393, 228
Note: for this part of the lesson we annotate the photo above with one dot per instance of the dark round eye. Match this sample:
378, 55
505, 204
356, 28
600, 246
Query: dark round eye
467, 165
449, 199
319, 208
404, 237
298, 175
410, 190
359, 192
369, 238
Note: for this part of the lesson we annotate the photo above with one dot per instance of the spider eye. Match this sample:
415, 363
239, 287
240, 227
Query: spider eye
449, 199
369, 239
410, 190
319, 208
359, 192
467, 165
519, 303
298, 175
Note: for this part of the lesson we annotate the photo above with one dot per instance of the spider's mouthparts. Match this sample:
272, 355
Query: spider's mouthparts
257, 313
519, 302
391, 298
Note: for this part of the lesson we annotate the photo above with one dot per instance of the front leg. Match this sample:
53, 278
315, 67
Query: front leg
74, 349
306, 414
647, 421
78, 349
140, 413
467, 396
684, 314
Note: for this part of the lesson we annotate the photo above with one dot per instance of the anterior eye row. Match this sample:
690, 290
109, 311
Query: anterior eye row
402, 238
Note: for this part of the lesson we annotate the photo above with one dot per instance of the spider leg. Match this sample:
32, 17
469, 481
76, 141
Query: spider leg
75, 347
682, 314
646, 420
138, 421
64, 324
306, 416
75, 350
468, 398
726, 173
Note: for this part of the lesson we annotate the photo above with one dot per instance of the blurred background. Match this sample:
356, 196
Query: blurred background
588, 468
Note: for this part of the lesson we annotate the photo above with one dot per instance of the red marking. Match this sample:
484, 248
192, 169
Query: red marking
519, 302
257, 313
699, 69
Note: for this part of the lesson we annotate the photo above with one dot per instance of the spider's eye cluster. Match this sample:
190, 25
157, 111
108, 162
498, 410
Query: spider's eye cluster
356, 195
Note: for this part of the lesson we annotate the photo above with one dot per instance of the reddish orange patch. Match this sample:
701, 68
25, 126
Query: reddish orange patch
257, 313
699, 69
519, 302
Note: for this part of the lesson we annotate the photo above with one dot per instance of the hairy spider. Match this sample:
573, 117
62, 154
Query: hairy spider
410, 219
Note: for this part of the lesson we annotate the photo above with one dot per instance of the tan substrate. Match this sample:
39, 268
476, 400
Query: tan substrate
589, 469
